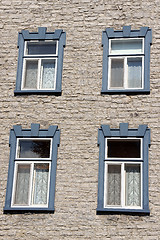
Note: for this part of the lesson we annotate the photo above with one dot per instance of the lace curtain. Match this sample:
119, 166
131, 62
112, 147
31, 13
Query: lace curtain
117, 72
134, 72
41, 184
133, 185
114, 185
31, 75
48, 76
22, 185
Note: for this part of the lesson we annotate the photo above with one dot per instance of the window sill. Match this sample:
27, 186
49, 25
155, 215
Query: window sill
37, 92
105, 211
27, 210
126, 91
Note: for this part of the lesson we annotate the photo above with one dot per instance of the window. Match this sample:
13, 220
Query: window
123, 169
32, 169
40, 62
126, 60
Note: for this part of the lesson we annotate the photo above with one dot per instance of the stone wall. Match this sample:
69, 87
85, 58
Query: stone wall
78, 112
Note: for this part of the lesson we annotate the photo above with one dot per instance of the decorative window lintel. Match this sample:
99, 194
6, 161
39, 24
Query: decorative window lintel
40, 62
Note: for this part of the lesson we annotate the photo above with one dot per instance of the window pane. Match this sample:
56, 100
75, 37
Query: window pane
48, 74
134, 72
133, 185
40, 187
34, 149
22, 184
41, 48
114, 185
117, 72
126, 148
31, 75
126, 46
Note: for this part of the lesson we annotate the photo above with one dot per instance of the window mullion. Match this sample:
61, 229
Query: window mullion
125, 73
31, 184
14, 183
48, 182
39, 74
105, 184
122, 185
109, 67
141, 174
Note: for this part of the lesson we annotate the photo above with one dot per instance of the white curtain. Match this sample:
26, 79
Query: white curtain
134, 72
22, 185
114, 185
133, 185
41, 183
31, 75
117, 72
48, 76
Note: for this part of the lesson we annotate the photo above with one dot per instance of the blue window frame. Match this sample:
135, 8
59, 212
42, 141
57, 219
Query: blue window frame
40, 62
126, 60
32, 169
123, 170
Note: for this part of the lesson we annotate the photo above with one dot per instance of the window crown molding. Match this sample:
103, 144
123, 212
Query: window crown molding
123, 132
42, 35
127, 32
53, 134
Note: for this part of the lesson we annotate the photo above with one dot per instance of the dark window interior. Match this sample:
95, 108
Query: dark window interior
34, 149
124, 148
40, 48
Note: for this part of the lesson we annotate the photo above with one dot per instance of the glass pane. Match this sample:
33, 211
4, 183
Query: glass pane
31, 75
133, 185
114, 185
126, 46
34, 149
41, 48
48, 74
22, 184
117, 72
40, 187
134, 72
123, 148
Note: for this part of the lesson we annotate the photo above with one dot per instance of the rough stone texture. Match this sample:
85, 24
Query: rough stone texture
79, 112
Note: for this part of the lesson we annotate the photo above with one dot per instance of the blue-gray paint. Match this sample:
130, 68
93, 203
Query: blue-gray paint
18, 130
101, 141
109, 33
58, 33
53, 132
102, 211
25, 35
17, 210
35, 129
10, 169
106, 130
20, 61
126, 31
142, 132
105, 44
60, 62
143, 31
123, 129
42, 32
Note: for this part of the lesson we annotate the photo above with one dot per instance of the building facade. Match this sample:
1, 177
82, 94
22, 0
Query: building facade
78, 116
